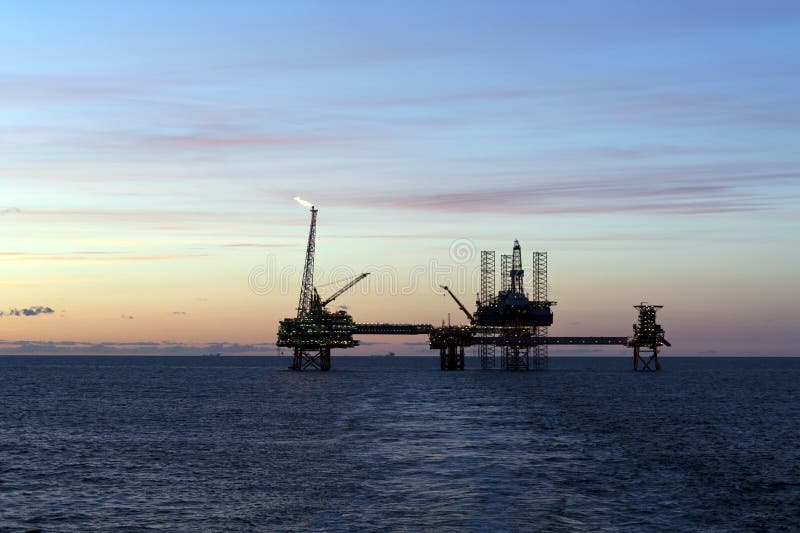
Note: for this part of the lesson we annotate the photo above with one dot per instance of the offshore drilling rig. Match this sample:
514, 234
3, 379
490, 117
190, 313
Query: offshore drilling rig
510, 319
315, 329
518, 324
510, 313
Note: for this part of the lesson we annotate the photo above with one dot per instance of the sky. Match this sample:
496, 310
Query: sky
149, 153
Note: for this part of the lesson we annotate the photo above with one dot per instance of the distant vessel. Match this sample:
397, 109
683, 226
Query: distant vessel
218, 354
388, 354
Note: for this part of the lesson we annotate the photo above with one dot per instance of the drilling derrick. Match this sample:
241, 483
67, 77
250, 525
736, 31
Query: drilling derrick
307, 284
517, 273
539, 295
505, 273
511, 306
515, 356
315, 329
487, 296
648, 337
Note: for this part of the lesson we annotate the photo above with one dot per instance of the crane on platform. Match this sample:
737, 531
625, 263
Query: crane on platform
460, 305
317, 303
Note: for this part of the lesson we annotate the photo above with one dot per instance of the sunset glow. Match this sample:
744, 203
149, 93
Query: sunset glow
150, 153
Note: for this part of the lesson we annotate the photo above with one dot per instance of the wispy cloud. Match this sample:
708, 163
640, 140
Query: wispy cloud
440, 98
93, 257
258, 245
132, 215
10, 211
23, 347
44, 89
576, 199
201, 141
656, 189
649, 151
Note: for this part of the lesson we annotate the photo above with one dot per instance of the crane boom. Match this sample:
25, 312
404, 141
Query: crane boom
460, 305
343, 289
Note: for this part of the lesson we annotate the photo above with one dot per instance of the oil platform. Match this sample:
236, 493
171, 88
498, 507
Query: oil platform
512, 320
315, 329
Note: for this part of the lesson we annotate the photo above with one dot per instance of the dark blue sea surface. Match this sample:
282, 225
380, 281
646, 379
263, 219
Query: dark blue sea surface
240, 443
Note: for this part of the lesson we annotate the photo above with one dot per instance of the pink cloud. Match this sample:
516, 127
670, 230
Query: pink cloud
210, 141
577, 197
18, 89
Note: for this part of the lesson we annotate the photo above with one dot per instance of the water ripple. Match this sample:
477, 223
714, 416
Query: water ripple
91, 443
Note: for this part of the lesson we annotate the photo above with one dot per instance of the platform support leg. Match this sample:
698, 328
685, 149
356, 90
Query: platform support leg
451, 357
304, 359
650, 362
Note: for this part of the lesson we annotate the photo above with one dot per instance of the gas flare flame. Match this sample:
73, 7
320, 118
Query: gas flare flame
302, 202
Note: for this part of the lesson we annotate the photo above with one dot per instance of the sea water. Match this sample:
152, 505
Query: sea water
393, 443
